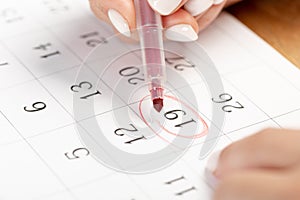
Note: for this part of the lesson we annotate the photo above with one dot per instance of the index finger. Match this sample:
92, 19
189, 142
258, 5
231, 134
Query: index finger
166, 7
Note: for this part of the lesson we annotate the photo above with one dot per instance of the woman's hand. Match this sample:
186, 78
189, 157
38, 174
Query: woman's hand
186, 17
265, 166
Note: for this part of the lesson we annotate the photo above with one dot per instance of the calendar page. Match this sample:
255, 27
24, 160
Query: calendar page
72, 116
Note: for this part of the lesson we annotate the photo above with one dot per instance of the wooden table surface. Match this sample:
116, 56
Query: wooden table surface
276, 21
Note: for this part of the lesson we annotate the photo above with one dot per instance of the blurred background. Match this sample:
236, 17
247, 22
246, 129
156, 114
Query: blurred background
276, 21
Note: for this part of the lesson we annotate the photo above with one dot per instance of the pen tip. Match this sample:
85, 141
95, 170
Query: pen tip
158, 104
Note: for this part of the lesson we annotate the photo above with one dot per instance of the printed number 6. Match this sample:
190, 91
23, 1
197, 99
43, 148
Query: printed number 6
37, 106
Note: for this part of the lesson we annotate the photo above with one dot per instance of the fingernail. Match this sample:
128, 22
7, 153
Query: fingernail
164, 7
181, 33
119, 22
196, 7
216, 2
211, 167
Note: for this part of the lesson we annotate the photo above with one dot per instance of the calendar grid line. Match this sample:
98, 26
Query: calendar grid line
34, 30
57, 72
40, 83
251, 67
79, 185
258, 56
83, 184
140, 188
58, 102
203, 178
175, 89
11, 142
40, 77
120, 107
292, 111
98, 179
49, 92
284, 77
49, 131
63, 105
37, 29
41, 133
91, 69
243, 69
212, 123
40, 157
16, 85
227, 136
245, 127
253, 102
75, 122
126, 103
69, 188
54, 194
211, 139
37, 78
219, 128
79, 58
17, 35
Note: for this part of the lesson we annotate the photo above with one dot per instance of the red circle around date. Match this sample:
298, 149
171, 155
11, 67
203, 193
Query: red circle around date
194, 136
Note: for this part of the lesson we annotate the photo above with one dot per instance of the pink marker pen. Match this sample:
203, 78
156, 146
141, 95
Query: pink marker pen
150, 28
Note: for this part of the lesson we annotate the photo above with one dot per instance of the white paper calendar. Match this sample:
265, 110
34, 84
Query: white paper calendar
43, 45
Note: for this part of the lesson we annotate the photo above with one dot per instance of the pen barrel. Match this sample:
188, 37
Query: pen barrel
150, 33
153, 57
145, 16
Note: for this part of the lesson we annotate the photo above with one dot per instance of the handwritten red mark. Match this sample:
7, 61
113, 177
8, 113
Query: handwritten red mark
194, 136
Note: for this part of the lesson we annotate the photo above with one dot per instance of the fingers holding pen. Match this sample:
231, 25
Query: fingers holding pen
180, 26
205, 18
194, 7
166, 7
182, 19
119, 13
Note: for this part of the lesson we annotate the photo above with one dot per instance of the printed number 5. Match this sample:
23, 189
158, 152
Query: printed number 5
77, 153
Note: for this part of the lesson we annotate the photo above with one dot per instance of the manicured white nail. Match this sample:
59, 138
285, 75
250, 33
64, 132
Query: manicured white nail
119, 22
196, 7
181, 33
164, 7
216, 2
211, 167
